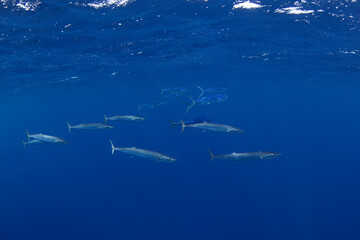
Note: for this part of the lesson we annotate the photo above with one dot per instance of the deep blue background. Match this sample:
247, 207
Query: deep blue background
293, 85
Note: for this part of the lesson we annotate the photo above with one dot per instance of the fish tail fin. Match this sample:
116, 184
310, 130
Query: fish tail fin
112, 147
202, 91
69, 126
24, 144
28, 135
173, 124
211, 155
190, 105
162, 91
139, 108
105, 118
183, 126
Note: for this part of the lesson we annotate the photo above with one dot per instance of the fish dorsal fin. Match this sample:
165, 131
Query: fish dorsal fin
133, 147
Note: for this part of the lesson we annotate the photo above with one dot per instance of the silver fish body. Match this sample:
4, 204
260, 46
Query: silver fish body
125, 118
213, 127
45, 138
34, 142
211, 90
175, 91
155, 103
207, 100
245, 156
158, 157
89, 126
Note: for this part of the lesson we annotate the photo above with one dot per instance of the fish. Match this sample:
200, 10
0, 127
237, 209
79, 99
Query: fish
199, 119
245, 156
89, 126
175, 91
167, 96
145, 105
207, 100
168, 93
212, 127
46, 138
157, 157
211, 90
156, 103
34, 142
125, 118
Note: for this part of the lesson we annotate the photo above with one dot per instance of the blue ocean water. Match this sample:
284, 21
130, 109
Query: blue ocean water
291, 70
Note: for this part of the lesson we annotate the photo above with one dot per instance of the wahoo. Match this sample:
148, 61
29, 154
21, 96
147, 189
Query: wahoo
199, 119
211, 90
158, 157
89, 126
175, 91
45, 138
169, 93
207, 100
212, 127
125, 118
34, 142
245, 156
156, 103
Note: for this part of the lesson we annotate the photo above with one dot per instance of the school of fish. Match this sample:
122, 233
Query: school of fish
207, 96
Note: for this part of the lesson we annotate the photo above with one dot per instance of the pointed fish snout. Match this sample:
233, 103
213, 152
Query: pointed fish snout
273, 154
106, 126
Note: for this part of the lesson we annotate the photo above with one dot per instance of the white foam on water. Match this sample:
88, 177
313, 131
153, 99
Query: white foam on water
246, 5
108, 3
21, 4
293, 10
